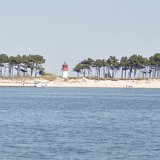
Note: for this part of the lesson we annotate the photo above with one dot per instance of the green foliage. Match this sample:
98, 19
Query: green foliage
155, 59
49, 76
21, 64
98, 63
3, 58
124, 62
83, 66
146, 66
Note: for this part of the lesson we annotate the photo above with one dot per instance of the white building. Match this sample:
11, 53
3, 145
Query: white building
65, 70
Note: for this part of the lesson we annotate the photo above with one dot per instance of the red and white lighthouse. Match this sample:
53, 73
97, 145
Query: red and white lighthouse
65, 70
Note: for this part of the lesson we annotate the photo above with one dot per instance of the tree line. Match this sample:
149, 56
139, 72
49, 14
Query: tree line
25, 65
135, 66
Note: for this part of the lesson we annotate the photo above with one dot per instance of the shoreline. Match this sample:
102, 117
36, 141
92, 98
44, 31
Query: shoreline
81, 83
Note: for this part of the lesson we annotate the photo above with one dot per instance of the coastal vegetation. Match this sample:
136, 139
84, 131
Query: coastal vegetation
135, 66
21, 66
49, 76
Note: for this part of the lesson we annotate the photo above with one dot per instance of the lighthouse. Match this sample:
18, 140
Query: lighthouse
65, 70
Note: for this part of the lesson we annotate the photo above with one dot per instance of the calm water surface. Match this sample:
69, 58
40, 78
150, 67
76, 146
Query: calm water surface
79, 124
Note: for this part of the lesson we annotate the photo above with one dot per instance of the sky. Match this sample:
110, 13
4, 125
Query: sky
73, 30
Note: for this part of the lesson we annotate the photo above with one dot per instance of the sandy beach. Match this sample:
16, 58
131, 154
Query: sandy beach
80, 82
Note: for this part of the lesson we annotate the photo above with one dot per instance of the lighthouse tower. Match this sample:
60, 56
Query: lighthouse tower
65, 70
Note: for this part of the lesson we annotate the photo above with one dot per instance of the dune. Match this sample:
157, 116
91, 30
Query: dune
81, 82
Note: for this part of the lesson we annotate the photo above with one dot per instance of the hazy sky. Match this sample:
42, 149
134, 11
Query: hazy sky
72, 30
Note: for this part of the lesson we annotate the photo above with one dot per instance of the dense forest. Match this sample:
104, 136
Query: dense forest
135, 66
26, 65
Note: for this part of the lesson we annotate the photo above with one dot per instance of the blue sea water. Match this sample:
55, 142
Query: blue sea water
79, 124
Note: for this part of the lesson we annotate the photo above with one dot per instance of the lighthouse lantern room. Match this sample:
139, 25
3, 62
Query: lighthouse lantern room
65, 70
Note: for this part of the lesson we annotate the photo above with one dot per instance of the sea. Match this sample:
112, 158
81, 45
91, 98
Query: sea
79, 124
